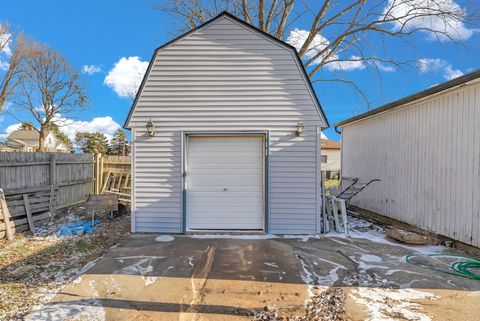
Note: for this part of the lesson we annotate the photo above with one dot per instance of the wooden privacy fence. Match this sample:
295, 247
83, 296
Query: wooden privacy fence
35, 184
112, 176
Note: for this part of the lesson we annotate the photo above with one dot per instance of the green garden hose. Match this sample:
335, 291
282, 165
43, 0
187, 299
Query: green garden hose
463, 266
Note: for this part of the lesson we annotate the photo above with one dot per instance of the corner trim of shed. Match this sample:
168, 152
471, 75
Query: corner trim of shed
244, 24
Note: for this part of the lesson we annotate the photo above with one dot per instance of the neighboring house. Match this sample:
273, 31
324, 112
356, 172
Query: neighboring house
226, 135
26, 140
331, 154
426, 150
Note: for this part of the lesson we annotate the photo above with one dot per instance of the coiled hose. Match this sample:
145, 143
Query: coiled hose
463, 266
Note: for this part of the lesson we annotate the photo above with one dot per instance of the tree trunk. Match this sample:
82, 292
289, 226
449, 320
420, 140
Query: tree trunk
41, 140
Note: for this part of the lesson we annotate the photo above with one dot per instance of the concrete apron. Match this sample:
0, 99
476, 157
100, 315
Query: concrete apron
226, 279
186, 279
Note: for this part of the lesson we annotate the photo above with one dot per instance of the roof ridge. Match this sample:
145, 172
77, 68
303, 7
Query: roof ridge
241, 22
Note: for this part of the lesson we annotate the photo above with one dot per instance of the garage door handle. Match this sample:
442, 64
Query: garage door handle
224, 189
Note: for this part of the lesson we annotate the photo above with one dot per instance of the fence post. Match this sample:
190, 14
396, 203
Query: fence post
53, 170
96, 164
53, 184
6, 216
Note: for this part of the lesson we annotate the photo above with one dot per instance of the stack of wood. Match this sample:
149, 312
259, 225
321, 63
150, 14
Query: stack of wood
24, 209
118, 184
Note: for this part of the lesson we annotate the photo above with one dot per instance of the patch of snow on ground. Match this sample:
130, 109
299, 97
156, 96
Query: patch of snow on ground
142, 264
306, 276
272, 264
370, 258
85, 310
387, 305
332, 277
365, 265
363, 229
90, 309
149, 280
235, 237
86, 267
304, 238
77, 280
164, 238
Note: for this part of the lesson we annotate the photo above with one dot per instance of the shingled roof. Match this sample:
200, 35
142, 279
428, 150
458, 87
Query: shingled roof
329, 144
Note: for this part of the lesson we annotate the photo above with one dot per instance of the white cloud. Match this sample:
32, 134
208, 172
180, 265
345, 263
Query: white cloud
384, 67
4, 65
126, 75
354, 63
91, 69
70, 126
323, 136
297, 38
431, 64
450, 73
428, 15
5, 41
438, 65
6, 51
9, 130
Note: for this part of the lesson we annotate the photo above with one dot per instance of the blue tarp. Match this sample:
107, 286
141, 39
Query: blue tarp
77, 228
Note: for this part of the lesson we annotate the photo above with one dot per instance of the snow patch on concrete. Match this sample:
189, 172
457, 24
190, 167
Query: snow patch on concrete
141, 265
89, 310
332, 276
362, 229
304, 238
271, 264
164, 238
235, 237
149, 280
370, 258
389, 304
86, 267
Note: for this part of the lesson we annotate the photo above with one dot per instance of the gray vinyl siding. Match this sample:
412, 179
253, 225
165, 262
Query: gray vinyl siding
226, 77
427, 155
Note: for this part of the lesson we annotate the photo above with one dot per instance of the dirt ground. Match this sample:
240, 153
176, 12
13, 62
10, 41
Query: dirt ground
34, 268
268, 277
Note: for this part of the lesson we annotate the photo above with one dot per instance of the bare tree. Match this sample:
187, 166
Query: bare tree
337, 31
50, 88
13, 49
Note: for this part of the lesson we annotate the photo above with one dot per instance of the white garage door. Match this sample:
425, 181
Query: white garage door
224, 183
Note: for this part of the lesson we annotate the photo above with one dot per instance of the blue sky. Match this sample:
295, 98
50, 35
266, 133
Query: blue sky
99, 34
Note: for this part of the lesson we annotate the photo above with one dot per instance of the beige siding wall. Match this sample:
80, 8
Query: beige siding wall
333, 160
226, 77
428, 158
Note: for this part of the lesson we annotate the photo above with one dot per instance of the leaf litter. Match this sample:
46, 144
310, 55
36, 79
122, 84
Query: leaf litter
33, 268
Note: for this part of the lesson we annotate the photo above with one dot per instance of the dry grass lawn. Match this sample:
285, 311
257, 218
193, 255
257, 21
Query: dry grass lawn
33, 269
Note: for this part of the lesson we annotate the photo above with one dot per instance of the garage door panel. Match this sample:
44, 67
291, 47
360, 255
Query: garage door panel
230, 190
225, 183
242, 181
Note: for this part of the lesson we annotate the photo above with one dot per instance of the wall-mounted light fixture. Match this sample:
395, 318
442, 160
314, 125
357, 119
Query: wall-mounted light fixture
300, 127
150, 128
